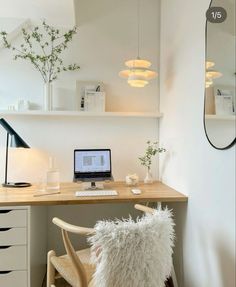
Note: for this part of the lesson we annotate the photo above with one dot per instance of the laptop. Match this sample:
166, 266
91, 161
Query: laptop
91, 165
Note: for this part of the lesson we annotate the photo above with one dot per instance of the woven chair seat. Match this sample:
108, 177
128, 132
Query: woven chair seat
63, 266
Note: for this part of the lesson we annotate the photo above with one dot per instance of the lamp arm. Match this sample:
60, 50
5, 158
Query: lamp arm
6, 163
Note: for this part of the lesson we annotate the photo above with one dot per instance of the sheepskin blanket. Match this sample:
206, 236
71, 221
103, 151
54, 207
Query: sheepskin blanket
133, 254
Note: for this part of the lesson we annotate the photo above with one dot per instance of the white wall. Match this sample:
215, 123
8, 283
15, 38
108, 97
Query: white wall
103, 43
59, 136
205, 253
106, 38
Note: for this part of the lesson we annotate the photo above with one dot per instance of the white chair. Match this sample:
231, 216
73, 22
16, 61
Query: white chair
76, 267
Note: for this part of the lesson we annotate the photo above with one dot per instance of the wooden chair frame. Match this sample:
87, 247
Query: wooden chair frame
76, 264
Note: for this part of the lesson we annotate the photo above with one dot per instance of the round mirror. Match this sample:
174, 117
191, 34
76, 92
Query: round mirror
220, 81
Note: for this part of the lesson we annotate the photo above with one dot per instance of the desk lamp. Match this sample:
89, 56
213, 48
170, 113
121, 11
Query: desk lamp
16, 141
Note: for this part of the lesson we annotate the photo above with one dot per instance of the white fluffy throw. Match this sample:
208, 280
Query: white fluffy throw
133, 254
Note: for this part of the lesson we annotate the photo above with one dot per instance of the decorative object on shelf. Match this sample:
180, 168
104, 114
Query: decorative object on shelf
224, 103
11, 108
47, 97
91, 96
22, 105
131, 179
64, 96
16, 141
138, 72
48, 62
211, 73
146, 160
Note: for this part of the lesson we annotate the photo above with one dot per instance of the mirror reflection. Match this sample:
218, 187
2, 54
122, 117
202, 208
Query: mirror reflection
220, 83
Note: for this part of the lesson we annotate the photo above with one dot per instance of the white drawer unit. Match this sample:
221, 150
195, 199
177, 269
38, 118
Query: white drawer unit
13, 218
13, 236
13, 278
22, 246
13, 258
13, 247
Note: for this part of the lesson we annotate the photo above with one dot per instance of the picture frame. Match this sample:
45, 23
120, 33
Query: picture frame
83, 87
224, 97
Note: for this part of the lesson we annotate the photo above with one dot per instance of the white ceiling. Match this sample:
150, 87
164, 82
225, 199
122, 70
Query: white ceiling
57, 12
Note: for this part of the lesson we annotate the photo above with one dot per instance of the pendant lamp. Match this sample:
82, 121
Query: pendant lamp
138, 73
211, 73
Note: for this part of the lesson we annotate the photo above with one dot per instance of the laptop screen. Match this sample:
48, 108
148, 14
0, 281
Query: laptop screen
92, 161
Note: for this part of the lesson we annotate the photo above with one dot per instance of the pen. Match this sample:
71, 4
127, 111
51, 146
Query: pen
42, 194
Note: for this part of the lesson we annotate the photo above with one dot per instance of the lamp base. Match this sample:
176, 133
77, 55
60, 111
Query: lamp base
16, 184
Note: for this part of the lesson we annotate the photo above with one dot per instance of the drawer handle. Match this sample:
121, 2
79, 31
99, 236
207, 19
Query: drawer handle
5, 211
5, 247
5, 272
4, 229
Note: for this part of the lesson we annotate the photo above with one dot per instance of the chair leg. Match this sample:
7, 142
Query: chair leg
50, 269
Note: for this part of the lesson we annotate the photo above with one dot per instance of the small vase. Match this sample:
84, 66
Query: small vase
47, 97
148, 179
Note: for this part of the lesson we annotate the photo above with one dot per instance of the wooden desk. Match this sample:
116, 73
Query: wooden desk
156, 192
21, 211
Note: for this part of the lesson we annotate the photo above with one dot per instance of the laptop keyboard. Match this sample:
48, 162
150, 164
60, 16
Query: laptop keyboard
108, 192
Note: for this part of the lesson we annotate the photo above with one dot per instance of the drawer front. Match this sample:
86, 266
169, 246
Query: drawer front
13, 218
13, 258
13, 236
13, 278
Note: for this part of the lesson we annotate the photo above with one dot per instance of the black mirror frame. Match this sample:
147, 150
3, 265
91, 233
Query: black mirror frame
204, 122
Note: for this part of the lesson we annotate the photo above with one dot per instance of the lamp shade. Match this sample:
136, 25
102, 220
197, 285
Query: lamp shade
138, 72
209, 64
213, 74
16, 140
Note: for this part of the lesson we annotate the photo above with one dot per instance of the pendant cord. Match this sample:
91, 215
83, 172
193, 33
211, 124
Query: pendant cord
138, 26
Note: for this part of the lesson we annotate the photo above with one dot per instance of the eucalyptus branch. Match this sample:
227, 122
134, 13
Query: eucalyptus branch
151, 150
51, 42
27, 56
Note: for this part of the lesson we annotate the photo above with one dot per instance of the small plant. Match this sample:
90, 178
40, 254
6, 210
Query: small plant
42, 47
151, 151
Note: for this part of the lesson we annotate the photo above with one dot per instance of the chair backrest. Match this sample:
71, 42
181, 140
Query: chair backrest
134, 253
80, 273
126, 253
75, 261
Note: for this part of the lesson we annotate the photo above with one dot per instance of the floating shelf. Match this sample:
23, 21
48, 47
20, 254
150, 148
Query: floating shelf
221, 117
81, 114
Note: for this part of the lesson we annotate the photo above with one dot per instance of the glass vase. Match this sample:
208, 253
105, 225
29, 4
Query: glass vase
47, 105
148, 178
53, 176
